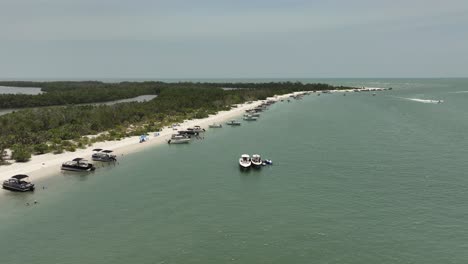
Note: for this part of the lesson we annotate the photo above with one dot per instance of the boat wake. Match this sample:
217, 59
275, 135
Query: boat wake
425, 101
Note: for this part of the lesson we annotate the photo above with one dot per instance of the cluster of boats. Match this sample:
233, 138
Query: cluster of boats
256, 161
20, 182
184, 136
80, 164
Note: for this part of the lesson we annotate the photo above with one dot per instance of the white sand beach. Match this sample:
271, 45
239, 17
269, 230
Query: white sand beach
40, 166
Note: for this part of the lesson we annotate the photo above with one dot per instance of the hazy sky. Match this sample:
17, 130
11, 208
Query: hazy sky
233, 39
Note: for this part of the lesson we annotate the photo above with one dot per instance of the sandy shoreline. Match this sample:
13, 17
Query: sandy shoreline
46, 165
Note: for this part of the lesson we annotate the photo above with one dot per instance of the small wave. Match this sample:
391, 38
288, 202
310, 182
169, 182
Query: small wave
459, 92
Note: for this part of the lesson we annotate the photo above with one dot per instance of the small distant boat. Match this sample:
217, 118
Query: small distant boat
374, 94
233, 123
250, 118
103, 156
256, 160
245, 162
255, 114
178, 139
196, 129
78, 164
214, 125
18, 183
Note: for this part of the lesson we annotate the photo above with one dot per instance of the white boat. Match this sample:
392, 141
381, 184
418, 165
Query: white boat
245, 162
196, 129
214, 125
178, 139
250, 118
256, 160
233, 123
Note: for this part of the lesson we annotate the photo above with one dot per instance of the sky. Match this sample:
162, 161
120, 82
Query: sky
161, 39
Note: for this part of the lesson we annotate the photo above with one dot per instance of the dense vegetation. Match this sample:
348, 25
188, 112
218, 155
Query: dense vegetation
64, 93
64, 128
70, 93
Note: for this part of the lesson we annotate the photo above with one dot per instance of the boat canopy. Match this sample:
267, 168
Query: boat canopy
98, 149
20, 176
107, 151
78, 159
255, 156
245, 156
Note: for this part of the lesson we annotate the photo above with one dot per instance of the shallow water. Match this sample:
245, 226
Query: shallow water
19, 90
356, 179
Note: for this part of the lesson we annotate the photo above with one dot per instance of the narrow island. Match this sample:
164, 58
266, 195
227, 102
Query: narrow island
54, 126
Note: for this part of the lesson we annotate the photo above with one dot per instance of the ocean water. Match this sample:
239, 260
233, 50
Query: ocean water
19, 90
356, 179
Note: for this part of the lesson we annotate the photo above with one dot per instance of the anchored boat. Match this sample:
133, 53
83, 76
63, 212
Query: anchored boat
233, 123
245, 162
196, 129
214, 125
250, 118
256, 161
178, 139
78, 164
103, 155
18, 183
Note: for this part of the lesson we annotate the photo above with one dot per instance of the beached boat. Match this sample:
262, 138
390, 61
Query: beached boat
233, 123
250, 118
245, 162
18, 183
196, 129
256, 161
103, 155
78, 164
214, 125
178, 139
188, 133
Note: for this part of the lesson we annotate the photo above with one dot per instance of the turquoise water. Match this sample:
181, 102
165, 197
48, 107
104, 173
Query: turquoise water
356, 179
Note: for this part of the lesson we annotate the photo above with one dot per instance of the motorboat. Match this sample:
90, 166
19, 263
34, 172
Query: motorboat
214, 125
252, 114
78, 164
18, 183
178, 139
196, 129
256, 160
188, 133
245, 162
250, 118
233, 123
103, 155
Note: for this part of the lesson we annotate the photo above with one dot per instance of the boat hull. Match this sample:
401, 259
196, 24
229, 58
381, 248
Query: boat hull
18, 189
256, 164
244, 165
178, 141
67, 168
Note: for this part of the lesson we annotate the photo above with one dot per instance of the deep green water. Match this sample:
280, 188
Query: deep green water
357, 179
